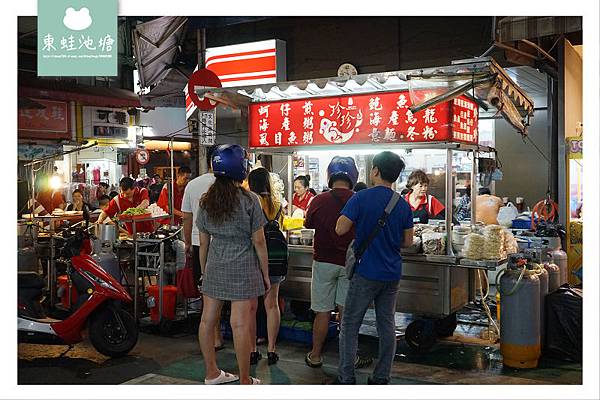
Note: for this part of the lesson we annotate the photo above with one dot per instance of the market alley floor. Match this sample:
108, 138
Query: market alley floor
176, 359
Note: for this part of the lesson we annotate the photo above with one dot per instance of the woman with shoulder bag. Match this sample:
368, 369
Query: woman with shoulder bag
233, 259
259, 183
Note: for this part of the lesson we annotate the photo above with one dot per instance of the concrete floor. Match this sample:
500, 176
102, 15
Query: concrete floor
176, 359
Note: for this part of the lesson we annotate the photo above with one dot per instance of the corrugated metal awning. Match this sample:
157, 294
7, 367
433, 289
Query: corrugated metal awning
482, 78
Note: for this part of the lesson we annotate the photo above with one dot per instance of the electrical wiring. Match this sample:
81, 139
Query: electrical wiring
491, 322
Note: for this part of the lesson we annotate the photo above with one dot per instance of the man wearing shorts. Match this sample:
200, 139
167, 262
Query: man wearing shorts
329, 283
194, 190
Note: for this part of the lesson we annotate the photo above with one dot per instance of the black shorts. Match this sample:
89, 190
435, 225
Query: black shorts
196, 263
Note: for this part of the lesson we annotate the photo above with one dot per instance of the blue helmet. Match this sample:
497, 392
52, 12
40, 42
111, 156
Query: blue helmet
342, 167
230, 160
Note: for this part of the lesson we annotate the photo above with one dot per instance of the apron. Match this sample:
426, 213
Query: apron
422, 213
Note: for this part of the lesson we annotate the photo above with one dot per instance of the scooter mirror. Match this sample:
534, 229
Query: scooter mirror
86, 216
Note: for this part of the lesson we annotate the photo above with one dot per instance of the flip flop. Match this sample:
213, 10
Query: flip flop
220, 347
255, 381
224, 377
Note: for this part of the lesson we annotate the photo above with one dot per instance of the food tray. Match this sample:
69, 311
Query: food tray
134, 217
484, 264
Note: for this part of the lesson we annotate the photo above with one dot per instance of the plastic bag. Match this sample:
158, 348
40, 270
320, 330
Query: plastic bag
186, 287
415, 248
564, 323
487, 208
473, 249
510, 243
507, 214
493, 248
434, 243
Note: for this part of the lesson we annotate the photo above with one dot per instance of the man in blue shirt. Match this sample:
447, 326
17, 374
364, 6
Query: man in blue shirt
378, 273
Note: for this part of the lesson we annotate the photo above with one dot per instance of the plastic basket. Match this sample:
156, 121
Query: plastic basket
293, 331
521, 223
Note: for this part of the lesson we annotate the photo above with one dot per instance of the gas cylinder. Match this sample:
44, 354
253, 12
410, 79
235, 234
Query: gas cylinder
106, 258
559, 258
553, 276
543, 276
519, 288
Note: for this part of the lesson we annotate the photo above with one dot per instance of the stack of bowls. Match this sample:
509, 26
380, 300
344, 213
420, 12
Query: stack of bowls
307, 236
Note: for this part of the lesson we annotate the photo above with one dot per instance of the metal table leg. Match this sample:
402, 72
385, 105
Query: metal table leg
52, 267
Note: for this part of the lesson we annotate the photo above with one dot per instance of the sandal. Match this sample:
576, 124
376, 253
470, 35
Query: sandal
272, 357
261, 340
310, 362
255, 356
219, 347
362, 362
224, 377
254, 381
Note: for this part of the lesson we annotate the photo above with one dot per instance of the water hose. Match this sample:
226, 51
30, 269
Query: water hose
546, 209
486, 308
514, 289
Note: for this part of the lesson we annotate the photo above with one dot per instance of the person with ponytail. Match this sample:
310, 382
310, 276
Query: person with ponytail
233, 259
302, 193
260, 183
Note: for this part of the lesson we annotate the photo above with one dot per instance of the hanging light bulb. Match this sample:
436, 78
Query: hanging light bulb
55, 182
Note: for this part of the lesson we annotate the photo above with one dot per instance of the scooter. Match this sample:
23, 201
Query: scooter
112, 330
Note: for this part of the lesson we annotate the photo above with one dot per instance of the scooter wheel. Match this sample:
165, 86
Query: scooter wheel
420, 335
112, 337
445, 327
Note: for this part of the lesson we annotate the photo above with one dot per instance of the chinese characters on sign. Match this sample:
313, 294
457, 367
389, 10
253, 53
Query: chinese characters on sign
465, 120
77, 38
207, 127
104, 44
359, 119
52, 121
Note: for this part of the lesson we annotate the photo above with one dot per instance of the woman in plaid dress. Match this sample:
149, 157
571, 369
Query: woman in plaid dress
233, 258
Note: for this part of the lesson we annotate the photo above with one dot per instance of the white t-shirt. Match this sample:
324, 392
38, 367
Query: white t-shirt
191, 200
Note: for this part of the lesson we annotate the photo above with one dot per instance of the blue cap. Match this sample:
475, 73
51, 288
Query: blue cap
342, 167
230, 160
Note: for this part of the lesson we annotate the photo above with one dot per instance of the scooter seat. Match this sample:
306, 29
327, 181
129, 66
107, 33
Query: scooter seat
30, 280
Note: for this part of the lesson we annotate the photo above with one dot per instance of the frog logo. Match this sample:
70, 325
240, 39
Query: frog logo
77, 20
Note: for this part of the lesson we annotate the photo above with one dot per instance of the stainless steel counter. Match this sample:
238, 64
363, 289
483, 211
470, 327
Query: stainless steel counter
431, 285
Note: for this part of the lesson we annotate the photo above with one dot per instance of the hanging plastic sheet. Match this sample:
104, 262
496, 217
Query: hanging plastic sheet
564, 323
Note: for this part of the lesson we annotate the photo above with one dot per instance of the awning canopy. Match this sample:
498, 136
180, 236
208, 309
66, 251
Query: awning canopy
482, 79
84, 95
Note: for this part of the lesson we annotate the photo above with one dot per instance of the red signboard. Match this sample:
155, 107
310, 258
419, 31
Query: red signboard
464, 120
359, 119
51, 122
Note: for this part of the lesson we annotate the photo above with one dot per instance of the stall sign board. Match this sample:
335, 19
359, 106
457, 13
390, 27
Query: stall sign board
575, 147
207, 128
360, 119
51, 122
105, 123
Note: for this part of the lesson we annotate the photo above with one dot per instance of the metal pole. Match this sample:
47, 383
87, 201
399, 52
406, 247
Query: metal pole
290, 184
160, 281
473, 191
32, 192
449, 202
171, 199
136, 278
136, 264
52, 265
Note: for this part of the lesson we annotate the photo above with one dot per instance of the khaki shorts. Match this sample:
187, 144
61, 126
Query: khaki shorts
329, 286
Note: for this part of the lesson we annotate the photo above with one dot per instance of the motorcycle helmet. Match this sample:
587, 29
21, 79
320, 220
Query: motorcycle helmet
230, 160
342, 167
